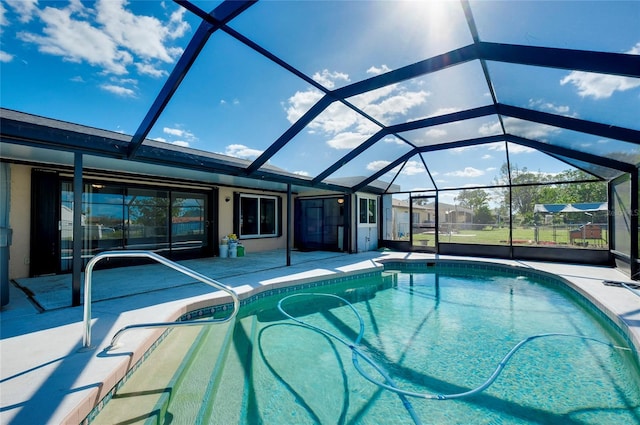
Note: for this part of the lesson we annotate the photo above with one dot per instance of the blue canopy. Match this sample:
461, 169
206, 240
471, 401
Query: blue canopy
564, 208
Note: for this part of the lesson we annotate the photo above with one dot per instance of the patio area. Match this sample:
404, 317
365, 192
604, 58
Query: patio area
46, 377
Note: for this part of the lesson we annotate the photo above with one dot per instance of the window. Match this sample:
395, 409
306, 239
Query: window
117, 216
258, 216
368, 211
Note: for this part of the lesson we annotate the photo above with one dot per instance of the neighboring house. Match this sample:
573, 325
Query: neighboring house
424, 216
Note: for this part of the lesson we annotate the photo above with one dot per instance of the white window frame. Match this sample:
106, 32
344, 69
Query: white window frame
372, 220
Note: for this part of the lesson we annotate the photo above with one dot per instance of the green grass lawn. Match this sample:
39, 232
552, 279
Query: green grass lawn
547, 236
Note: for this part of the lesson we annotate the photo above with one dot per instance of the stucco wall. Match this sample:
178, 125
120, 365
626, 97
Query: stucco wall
19, 221
225, 221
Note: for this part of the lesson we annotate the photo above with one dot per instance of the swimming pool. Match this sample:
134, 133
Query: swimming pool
430, 330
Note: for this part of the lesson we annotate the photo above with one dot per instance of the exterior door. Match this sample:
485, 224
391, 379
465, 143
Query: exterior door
190, 225
320, 224
423, 223
45, 219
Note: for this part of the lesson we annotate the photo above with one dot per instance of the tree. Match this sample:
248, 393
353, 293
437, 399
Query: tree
472, 198
477, 200
524, 194
530, 188
483, 215
595, 191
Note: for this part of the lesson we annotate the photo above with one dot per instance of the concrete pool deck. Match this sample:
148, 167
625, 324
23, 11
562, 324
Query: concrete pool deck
46, 377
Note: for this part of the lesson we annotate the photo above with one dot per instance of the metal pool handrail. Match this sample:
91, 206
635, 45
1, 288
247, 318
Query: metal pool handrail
86, 337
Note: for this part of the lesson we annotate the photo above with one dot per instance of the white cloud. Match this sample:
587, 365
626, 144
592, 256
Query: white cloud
5, 57
393, 139
463, 149
444, 111
125, 80
242, 151
601, 86
301, 102
490, 129
117, 86
24, 8
178, 136
107, 36
489, 169
182, 143
337, 118
516, 149
528, 130
234, 102
435, 133
377, 71
412, 168
119, 90
178, 132
78, 41
345, 128
398, 104
329, 79
551, 107
302, 173
143, 35
487, 156
178, 27
346, 140
150, 70
3, 17
467, 172
370, 97
377, 165
172, 131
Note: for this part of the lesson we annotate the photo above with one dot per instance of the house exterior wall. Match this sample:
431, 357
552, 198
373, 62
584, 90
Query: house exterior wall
225, 220
21, 212
20, 221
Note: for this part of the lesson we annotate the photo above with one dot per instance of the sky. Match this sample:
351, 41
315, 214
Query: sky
103, 63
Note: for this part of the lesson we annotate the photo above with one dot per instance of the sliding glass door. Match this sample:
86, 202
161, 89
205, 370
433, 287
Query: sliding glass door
114, 216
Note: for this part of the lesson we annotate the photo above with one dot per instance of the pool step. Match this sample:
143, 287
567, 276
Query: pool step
192, 379
227, 398
138, 399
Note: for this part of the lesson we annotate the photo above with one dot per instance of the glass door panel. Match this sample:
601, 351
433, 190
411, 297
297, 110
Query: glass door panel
188, 221
146, 215
423, 222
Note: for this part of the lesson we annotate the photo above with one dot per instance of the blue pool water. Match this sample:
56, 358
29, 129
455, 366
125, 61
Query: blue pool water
432, 332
